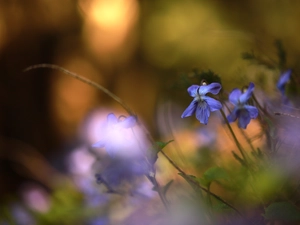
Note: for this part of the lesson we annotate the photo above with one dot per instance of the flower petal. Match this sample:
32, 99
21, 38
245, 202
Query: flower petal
213, 88
212, 103
202, 112
245, 96
234, 96
232, 116
128, 122
284, 78
192, 90
190, 110
244, 118
99, 144
253, 111
111, 119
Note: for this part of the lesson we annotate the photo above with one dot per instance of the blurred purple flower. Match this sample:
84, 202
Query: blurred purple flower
202, 105
242, 111
283, 79
126, 145
99, 221
21, 215
118, 139
36, 198
120, 170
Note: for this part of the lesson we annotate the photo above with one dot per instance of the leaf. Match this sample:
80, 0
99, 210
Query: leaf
155, 149
282, 211
221, 207
160, 145
214, 174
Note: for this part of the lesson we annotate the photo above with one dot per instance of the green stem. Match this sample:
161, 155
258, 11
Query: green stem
259, 106
248, 140
241, 151
242, 131
209, 199
240, 148
159, 191
198, 185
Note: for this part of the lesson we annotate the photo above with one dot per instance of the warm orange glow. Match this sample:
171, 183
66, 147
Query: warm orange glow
109, 14
72, 99
108, 23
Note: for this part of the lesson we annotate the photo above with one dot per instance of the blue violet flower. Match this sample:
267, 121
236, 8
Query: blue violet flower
202, 105
242, 111
283, 79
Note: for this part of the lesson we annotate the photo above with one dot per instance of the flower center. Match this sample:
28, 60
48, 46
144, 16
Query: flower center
199, 95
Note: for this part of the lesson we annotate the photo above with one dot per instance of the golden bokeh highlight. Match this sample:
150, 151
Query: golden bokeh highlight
108, 26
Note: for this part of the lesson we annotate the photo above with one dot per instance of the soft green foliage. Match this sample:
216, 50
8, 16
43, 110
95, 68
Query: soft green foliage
160, 145
283, 211
213, 174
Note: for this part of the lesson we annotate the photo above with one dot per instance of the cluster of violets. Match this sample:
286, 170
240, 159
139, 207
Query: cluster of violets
127, 150
119, 131
202, 104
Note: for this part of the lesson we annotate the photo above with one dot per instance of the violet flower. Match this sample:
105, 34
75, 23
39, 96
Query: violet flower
242, 111
283, 79
202, 105
118, 139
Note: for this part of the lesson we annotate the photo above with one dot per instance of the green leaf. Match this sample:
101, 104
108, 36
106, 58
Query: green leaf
221, 207
214, 174
282, 211
160, 145
155, 149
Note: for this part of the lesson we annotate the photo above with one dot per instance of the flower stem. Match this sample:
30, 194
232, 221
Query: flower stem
240, 148
84, 80
259, 105
198, 185
159, 191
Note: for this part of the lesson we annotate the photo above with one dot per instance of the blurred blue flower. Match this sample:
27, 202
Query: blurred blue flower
120, 170
21, 215
126, 145
117, 138
242, 111
283, 79
99, 221
202, 105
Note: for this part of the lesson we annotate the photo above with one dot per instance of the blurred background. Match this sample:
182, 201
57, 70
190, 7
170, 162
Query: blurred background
135, 48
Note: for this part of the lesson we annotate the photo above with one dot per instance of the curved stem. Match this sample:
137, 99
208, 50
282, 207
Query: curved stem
85, 80
113, 96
